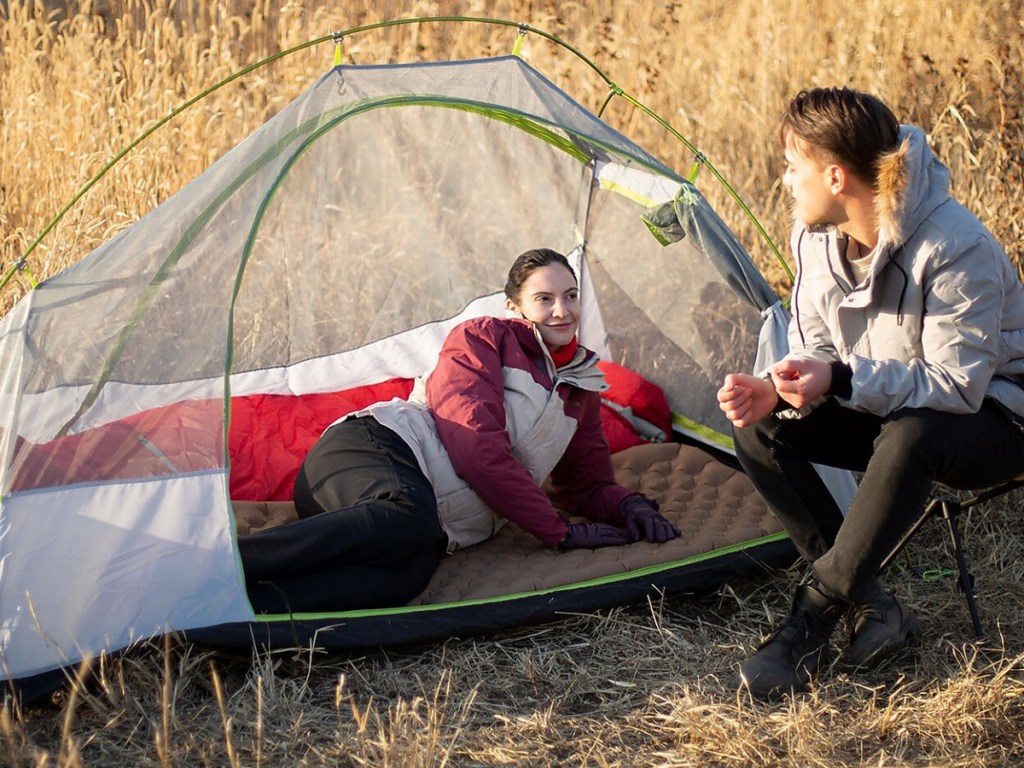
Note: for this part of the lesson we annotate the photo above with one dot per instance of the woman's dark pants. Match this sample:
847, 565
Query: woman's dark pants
368, 534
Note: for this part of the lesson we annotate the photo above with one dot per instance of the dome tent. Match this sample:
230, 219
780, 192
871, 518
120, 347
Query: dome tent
330, 251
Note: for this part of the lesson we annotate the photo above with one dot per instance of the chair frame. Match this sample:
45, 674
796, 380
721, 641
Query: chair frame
949, 508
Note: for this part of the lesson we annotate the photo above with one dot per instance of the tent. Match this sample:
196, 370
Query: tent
321, 262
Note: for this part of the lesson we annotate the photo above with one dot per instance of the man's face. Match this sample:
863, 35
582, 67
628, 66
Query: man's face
809, 181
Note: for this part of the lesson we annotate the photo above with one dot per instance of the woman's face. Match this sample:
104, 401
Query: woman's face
550, 299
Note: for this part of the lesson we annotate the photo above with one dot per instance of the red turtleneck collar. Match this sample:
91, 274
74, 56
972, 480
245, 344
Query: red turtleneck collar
565, 355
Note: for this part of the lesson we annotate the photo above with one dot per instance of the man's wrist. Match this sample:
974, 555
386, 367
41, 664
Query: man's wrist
842, 380
780, 404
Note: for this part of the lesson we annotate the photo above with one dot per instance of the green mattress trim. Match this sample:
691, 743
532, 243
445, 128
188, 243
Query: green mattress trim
603, 580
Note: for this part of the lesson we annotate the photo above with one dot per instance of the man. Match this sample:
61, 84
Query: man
906, 363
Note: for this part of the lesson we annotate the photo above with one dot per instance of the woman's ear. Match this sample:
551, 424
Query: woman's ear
512, 310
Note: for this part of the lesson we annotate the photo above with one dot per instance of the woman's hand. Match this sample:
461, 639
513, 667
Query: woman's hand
643, 521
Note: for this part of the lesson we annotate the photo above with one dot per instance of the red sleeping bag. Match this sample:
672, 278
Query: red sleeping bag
269, 436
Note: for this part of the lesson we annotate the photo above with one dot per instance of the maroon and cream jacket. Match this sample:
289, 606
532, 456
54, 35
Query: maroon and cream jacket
498, 420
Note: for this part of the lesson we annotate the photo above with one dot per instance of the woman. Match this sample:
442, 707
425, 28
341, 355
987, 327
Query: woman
385, 492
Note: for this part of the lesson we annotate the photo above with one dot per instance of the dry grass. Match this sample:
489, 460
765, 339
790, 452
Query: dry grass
639, 686
646, 685
76, 88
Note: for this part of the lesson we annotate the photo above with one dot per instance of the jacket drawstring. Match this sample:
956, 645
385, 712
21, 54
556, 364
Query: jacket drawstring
837, 278
903, 290
795, 304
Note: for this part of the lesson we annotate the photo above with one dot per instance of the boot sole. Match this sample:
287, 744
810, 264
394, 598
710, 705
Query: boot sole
773, 691
764, 688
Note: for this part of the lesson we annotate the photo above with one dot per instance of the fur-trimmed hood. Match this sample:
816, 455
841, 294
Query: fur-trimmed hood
938, 321
912, 182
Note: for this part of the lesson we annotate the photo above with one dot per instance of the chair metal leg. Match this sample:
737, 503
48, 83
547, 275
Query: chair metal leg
926, 515
950, 510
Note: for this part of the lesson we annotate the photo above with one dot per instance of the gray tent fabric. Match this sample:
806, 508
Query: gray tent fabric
698, 220
329, 251
689, 215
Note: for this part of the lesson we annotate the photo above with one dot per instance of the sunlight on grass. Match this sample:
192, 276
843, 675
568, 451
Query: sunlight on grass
639, 686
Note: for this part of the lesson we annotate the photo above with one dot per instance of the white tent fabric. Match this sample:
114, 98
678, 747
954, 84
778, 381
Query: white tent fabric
332, 248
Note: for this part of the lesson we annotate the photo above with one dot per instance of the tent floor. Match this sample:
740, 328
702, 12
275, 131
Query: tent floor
712, 503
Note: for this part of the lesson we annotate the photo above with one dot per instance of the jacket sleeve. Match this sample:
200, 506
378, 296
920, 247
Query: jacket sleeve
466, 395
583, 480
963, 292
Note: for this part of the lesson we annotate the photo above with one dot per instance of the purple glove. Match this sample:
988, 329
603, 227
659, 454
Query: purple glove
592, 536
644, 522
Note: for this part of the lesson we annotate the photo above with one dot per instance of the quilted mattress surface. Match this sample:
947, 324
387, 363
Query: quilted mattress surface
713, 505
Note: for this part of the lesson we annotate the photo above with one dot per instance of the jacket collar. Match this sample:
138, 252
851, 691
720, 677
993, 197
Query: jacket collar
912, 182
581, 371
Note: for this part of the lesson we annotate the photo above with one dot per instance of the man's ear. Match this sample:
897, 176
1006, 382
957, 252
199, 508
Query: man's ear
837, 178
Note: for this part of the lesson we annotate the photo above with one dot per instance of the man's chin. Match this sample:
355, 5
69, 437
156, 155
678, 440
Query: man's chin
811, 225
799, 220
809, 222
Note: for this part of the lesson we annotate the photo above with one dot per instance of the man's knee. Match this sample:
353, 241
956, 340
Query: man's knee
752, 438
913, 432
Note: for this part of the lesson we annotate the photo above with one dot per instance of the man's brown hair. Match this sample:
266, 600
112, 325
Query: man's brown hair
843, 126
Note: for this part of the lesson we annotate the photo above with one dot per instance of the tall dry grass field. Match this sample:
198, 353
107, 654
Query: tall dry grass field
78, 85
646, 685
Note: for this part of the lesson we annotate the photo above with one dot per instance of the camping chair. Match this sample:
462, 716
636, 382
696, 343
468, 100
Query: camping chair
949, 508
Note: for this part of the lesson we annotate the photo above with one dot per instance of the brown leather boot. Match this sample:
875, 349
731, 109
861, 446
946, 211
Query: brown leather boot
880, 627
787, 660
